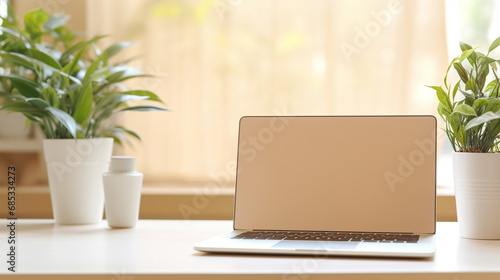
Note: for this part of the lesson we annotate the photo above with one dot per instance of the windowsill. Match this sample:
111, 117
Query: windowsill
161, 201
446, 206
157, 202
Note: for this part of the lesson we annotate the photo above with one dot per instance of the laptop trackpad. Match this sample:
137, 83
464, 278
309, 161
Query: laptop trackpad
315, 245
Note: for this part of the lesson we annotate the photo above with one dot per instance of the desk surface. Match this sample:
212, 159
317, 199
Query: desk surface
162, 249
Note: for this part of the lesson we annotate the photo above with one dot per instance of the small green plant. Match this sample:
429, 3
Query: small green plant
68, 88
473, 122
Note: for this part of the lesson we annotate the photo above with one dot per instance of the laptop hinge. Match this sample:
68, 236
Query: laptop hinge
371, 232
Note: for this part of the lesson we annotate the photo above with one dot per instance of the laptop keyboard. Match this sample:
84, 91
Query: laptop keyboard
329, 236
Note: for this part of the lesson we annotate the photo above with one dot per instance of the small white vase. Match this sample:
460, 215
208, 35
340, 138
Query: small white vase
477, 192
75, 169
122, 191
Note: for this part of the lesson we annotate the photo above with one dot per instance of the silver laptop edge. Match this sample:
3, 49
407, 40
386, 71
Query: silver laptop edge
354, 174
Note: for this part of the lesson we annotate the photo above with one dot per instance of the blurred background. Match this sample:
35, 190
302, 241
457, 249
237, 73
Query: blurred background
218, 60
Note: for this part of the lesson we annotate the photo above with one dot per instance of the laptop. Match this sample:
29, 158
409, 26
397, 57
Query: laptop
334, 185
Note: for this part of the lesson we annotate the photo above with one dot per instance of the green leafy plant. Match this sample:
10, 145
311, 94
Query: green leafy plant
472, 122
69, 88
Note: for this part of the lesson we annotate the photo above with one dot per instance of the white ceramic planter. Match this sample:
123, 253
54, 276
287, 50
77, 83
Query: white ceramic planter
75, 169
477, 192
13, 126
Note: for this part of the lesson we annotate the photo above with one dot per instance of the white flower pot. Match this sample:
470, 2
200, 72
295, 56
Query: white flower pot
477, 192
13, 126
75, 169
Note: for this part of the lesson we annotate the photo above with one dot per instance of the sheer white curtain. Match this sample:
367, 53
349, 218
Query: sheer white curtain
219, 60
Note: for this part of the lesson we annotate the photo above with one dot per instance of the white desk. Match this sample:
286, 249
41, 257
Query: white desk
162, 249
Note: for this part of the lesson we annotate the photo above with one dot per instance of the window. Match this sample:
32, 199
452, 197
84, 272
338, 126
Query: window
220, 60
217, 60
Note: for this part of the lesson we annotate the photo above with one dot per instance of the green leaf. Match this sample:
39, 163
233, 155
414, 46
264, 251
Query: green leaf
70, 67
126, 98
25, 89
18, 59
483, 73
80, 45
491, 85
484, 118
42, 64
116, 48
495, 91
442, 97
21, 79
454, 120
127, 77
33, 23
144, 108
43, 57
11, 32
133, 133
144, 93
493, 105
471, 85
92, 68
443, 111
461, 72
464, 46
123, 76
472, 57
64, 34
64, 118
465, 110
83, 106
448, 71
494, 45
51, 96
79, 134
38, 102
466, 54
467, 93
480, 102
460, 134
120, 129
55, 21
22, 107
487, 60
455, 89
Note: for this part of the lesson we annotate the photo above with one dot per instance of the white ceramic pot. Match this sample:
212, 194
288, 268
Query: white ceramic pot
75, 169
13, 126
477, 192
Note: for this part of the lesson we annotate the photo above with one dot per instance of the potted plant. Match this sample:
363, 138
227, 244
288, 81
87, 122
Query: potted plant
470, 108
12, 124
70, 91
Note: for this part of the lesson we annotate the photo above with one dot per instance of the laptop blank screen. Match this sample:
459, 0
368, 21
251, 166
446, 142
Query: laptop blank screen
337, 173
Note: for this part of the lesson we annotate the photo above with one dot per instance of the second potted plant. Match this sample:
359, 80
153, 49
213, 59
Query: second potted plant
470, 108
71, 91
